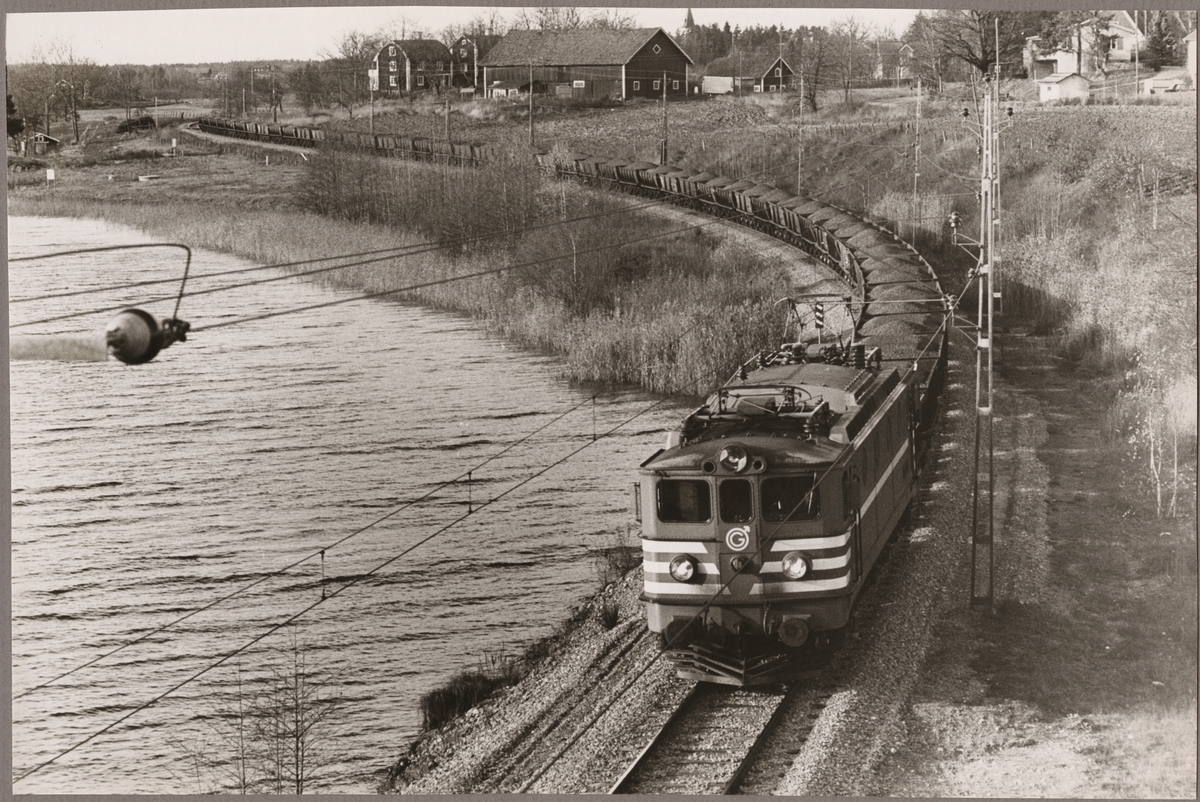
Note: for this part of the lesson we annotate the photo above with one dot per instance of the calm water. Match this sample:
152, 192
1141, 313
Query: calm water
140, 493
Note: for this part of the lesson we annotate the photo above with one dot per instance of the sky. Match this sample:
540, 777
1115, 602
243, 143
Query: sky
201, 35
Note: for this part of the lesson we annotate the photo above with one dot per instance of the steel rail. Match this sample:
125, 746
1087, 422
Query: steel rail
621, 785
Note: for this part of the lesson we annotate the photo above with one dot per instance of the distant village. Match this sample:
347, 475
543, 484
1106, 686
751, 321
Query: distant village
562, 52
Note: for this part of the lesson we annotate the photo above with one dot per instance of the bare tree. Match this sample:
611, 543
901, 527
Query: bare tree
611, 18
349, 61
929, 60
548, 18
290, 718
268, 735
848, 36
811, 55
969, 35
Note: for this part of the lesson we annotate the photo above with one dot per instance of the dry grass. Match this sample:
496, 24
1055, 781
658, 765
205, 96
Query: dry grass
1147, 753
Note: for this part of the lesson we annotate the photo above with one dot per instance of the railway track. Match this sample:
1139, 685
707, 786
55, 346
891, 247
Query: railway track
560, 725
723, 740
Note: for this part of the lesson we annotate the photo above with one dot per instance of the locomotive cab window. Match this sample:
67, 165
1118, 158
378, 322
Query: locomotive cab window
736, 502
684, 501
787, 498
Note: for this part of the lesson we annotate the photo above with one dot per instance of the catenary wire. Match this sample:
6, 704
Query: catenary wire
338, 542
334, 593
405, 250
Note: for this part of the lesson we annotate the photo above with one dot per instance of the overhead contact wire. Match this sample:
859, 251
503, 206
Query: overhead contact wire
404, 250
351, 583
321, 551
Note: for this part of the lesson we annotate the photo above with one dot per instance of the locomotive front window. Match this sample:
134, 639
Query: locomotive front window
736, 504
684, 501
787, 498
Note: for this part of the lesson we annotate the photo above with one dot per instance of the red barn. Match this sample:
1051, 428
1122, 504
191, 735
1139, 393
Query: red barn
591, 62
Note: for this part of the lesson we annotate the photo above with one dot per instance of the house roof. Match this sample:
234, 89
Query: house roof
1191, 37
889, 47
750, 65
483, 41
1059, 77
568, 48
420, 49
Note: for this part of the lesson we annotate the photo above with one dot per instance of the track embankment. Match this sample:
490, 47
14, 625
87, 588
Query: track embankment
503, 746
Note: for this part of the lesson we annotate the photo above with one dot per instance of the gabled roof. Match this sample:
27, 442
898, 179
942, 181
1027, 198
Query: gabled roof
418, 50
889, 47
594, 46
1059, 77
483, 41
750, 65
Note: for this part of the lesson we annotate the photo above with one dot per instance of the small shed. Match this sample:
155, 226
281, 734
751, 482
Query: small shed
1063, 86
44, 143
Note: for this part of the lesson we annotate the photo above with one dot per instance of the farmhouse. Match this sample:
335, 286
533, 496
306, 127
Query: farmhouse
893, 60
590, 63
747, 73
1063, 86
412, 65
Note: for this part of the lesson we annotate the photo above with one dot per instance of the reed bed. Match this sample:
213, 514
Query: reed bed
675, 312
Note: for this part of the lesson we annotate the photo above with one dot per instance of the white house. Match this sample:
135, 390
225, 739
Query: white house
1117, 42
1063, 86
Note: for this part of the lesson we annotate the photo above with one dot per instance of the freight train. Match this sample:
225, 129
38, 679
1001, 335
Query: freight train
411, 147
765, 512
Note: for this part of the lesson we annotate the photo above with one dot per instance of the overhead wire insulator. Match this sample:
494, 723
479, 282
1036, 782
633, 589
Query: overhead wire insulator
135, 337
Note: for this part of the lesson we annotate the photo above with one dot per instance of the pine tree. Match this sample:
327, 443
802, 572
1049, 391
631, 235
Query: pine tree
1161, 47
14, 125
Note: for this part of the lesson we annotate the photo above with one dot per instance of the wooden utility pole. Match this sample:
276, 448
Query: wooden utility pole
1137, 49
531, 103
663, 155
447, 116
917, 166
800, 139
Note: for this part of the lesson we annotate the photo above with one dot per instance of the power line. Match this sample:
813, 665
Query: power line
349, 584
407, 250
319, 552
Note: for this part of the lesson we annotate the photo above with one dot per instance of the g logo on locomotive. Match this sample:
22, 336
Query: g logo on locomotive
738, 538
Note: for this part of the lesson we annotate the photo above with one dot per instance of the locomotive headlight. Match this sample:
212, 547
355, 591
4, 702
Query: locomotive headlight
734, 458
795, 565
684, 568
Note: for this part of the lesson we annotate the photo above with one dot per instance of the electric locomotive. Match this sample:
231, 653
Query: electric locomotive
766, 510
